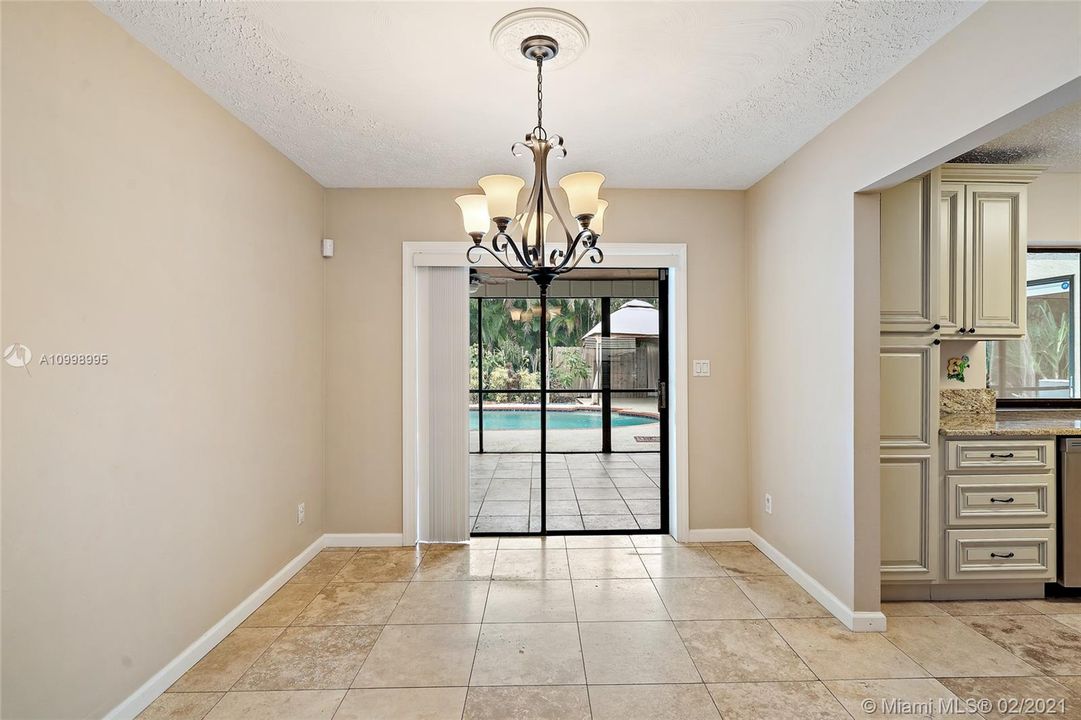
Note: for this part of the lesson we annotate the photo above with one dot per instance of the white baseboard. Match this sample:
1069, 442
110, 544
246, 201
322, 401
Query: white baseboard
719, 535
362, 539
164, 678
853, 620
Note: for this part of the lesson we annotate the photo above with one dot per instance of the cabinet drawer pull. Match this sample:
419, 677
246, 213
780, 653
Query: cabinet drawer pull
1002, 455
1000, 500
1007, 556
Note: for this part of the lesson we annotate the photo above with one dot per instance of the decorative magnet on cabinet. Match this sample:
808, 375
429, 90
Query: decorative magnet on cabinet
955, 368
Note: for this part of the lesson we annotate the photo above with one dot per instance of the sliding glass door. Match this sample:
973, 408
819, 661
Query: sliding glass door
602, 425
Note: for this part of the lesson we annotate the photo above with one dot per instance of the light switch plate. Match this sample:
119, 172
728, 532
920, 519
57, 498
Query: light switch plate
701, 368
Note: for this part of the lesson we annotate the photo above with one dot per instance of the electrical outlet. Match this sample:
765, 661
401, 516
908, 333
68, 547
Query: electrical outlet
300, 514
769, 504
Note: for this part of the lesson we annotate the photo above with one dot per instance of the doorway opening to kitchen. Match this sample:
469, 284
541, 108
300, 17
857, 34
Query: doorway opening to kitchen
583, 449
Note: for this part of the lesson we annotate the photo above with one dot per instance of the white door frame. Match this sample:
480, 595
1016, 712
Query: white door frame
672, 256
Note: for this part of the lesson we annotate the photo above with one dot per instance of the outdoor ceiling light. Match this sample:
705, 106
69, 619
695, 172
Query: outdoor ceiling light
518, 242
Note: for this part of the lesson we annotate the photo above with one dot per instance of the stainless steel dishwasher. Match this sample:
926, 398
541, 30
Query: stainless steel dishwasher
1069, 512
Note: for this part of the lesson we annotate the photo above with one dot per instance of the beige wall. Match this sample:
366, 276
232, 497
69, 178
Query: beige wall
804, 213
1054, 210
364, 384
143, 500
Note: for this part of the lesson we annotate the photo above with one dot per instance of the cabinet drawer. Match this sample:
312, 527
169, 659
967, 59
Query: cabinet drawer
1009, 455
1000, 499
1000, 554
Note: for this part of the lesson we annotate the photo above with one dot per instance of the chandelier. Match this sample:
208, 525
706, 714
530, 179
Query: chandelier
518, 241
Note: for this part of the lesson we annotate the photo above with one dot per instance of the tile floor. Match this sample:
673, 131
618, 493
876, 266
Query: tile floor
611, 628
591, 491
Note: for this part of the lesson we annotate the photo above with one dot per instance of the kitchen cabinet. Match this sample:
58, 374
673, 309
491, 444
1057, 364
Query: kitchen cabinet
908, 509
908, 366
952, 263
995, 241
981, 246
1000, 513
951, 256
908, 278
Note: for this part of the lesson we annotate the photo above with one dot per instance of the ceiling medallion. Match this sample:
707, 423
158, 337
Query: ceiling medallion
518, 241
568, 31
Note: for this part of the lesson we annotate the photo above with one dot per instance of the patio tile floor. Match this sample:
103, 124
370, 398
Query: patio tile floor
586, 491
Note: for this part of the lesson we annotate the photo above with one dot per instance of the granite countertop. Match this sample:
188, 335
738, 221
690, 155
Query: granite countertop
1012, 423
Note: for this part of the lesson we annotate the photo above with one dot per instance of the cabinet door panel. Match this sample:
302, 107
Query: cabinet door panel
909, 412
906, 505
951, 253
996, 246
908, 257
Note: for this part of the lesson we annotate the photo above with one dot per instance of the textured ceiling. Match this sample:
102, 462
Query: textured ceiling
669, 94
1054, 140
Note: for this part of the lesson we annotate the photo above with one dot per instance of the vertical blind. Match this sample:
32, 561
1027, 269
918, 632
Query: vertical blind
444, 404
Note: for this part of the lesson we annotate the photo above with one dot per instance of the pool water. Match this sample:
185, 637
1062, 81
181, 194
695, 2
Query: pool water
557, 420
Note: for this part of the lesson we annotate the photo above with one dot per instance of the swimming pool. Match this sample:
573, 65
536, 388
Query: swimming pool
557, 420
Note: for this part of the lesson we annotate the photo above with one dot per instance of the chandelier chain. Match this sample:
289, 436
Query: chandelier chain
540, 93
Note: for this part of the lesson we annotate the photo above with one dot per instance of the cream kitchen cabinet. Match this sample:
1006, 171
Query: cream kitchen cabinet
1000, 511
952, 264
981, 248
951, 256
908, 278
909, 507
908, 367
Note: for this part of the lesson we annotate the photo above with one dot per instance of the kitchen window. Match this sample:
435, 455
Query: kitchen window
1042, 368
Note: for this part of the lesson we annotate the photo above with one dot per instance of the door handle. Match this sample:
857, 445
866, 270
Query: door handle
662, 395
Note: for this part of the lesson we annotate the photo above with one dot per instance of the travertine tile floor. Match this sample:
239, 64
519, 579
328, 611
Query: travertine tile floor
613, 628
605, 492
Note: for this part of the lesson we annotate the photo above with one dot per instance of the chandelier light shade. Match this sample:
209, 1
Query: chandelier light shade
597, 223
474, 214
582, 190
518, 242
531, 231
502, 193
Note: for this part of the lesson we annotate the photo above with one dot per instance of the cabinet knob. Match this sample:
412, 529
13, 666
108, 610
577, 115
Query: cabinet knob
936, 326
936, 341
971, 330
962, 330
